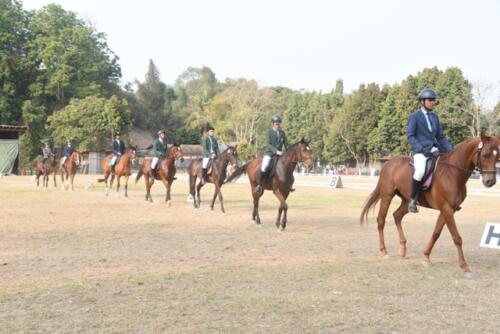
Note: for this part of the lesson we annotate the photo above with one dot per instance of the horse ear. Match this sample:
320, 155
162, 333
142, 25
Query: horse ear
302, 140
484, 136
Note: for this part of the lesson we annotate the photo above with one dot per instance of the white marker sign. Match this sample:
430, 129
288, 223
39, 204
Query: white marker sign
491, 236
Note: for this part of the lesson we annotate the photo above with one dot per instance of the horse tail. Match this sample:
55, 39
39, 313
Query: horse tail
370, 202
139, 174
237, 173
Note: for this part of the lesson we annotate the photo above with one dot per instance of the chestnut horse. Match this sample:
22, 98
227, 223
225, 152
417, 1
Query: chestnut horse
281, 182
217, 176
122, 168
166, 171
448, 191
70, 169
45, 169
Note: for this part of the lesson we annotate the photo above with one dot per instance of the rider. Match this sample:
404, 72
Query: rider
159, 151
426, 138
276, 144
118, 150
210, 151
47, 153
68, 151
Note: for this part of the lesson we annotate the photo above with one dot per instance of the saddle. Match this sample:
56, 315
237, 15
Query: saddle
430, 167
209, 166
271, 169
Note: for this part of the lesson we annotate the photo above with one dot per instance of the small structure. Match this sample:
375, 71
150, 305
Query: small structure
9, 148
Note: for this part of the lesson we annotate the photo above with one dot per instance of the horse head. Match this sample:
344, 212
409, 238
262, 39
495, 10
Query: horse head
485, 158
175, 152
76, 158
302, 152
132, 151
230, 155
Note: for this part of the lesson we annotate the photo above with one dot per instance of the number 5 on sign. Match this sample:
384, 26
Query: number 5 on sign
491, 236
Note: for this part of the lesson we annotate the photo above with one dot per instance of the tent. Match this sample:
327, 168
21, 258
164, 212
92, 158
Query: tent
9, 148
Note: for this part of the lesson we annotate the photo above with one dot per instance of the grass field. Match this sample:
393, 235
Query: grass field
80, 262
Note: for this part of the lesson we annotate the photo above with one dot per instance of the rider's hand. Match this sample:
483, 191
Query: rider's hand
279, 152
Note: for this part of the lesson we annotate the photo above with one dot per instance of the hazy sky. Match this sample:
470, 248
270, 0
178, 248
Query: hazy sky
299, 44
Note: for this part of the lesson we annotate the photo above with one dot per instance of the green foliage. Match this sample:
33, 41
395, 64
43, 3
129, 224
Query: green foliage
15, 67
34, 118
73, 59
90, 122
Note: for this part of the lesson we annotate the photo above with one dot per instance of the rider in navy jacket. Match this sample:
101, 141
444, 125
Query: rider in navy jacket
426, 138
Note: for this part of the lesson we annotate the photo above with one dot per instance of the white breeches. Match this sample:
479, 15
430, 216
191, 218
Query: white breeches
154, 162
204, 162
265, 163
419, 161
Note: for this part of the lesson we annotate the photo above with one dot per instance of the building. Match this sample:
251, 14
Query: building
9, 149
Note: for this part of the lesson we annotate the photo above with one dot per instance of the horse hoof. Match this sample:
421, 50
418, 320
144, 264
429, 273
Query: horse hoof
470, 275
427, 264
386, 256
169, 203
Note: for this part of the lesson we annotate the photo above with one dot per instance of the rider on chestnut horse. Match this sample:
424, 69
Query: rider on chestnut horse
210, 152
158, 151
118, 151
276, 145
426, 138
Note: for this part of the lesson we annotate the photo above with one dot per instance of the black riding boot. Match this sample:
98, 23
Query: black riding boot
204, 176
415, 189
262, 175
152, 177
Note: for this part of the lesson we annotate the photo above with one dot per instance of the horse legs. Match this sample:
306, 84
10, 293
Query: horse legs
148, 188
282, 207
38, 179
55, 183
45, 180
126, 185
169, 186
117, 184
398, 218
72, 179
198, 196
165, 183
285, 212
255, 211
382, 213
435, 236
218, 192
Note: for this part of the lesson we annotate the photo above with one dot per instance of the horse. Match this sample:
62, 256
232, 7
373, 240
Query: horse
217, 177
446, 194
45, 168
281, 181
69, 170
166, 171
122, 168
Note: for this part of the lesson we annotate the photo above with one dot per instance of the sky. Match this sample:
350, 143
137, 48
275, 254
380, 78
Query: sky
301, 44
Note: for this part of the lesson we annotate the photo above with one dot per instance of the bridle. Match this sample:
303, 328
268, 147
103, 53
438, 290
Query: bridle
477, 168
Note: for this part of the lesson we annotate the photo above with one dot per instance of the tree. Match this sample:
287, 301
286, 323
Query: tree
73, 60
90, 122
151, 95
15, 67
241, 111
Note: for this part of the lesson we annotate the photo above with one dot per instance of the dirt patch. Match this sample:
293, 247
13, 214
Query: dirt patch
82, 262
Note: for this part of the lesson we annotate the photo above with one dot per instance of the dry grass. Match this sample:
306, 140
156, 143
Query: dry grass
78, 262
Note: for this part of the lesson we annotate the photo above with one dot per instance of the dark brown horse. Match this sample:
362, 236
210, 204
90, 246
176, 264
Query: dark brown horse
281, 182
122, 168
45, 168
217, 176
166, 171
446, 194
69, 170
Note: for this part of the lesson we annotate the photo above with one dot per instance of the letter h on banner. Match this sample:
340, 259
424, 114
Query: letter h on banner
491, 236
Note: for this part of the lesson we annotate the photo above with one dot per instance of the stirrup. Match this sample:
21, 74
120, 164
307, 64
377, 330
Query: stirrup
258, 189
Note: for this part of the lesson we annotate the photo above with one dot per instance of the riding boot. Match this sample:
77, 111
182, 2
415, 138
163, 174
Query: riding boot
113, 169
152, 177
415, 189
262, 175
204, 176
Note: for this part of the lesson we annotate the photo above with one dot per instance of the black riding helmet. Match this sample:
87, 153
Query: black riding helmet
276, 119
427, 93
